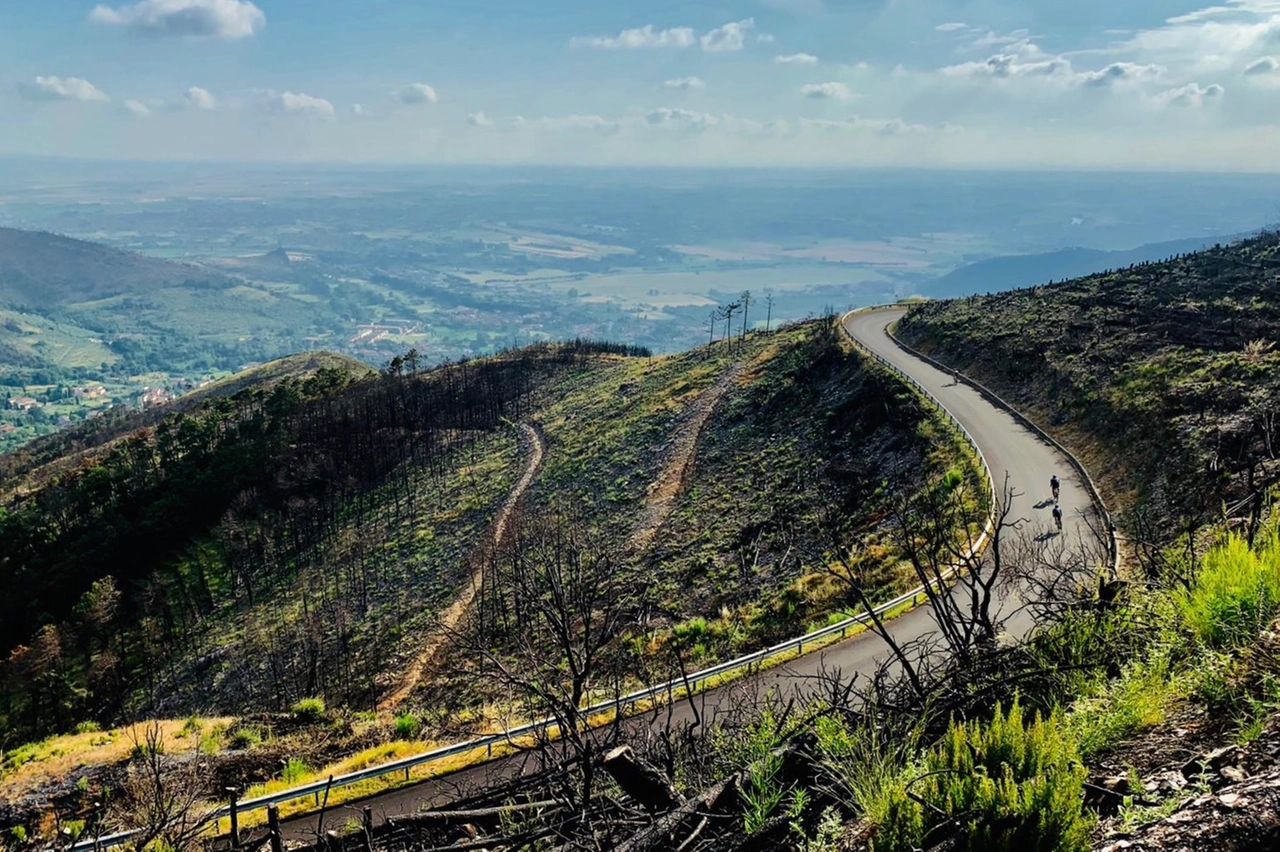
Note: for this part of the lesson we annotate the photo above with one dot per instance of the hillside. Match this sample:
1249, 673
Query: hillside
41, 458
1025, 270
1164, 375
321, 521
46, 270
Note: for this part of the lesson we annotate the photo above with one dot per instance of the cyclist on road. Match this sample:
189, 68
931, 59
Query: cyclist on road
1057, 516
1054, 484
955, 377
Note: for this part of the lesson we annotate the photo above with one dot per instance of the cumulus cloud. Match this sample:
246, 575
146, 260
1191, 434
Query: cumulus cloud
729, 37
796, 59
137, 109
679, 119
201, 99
951, 27
1265, 65
61, 89
647, 36
479, 119
415, 93
300, 103
684, 83
1118, 72
201, 18
1009, 65
765, 38
826, 91
1191, 95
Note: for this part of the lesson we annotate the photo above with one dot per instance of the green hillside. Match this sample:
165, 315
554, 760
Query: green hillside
1163, 375
45, 270
320, 521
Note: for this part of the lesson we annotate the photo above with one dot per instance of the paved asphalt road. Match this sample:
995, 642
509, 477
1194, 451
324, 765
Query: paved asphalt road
1006, 445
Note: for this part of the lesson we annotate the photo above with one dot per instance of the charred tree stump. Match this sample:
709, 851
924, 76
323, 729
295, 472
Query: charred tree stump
641, 781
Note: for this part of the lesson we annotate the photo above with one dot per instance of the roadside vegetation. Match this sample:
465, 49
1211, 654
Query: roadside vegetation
1163, 376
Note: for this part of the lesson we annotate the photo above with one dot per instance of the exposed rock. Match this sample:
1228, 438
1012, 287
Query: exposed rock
1243, 817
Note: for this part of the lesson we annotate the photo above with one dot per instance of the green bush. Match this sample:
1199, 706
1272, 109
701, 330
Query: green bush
294, 771
308, 710
88, 727
245, 737
1235, 593
1002, 785
407, 726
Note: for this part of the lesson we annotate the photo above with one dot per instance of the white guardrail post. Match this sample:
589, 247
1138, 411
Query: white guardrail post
669, 689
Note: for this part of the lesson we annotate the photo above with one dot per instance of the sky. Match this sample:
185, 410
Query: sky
1098, 84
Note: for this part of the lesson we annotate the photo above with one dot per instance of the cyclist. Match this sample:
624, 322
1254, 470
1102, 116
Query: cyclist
1054, 484
1057, 516
955, 377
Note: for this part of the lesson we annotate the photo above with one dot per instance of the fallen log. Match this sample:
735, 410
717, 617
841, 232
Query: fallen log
432, 817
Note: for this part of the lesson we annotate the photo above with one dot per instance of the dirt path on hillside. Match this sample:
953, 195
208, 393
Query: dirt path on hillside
432, 654
678, 459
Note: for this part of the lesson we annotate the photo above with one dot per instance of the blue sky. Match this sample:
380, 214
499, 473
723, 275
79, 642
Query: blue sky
1039, 83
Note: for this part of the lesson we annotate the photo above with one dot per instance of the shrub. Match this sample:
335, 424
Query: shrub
294, 771
88, 727
407, 726
1235, 593
1002, 785
245, 737
308, 710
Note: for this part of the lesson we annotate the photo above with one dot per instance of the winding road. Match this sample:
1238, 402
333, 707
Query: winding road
1008, 447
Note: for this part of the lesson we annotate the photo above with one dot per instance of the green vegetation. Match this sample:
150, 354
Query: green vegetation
308, 710
1163, 375
1236, 593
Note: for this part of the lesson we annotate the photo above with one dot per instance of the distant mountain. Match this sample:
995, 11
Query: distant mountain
1025, 270
45, 270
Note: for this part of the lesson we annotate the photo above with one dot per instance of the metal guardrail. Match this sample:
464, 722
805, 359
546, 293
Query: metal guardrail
995, 399
621, 705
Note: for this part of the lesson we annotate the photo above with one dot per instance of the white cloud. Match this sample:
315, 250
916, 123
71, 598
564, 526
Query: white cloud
1118, 72
61, 89
1010, 65
642, 37
765, 38
1265, 65
826, 91
201, 99
416, 93
205, 18
300, 103
796, 59
729, 37
479, 119
995, 39
137, 108
680, 119
357, 109
1190, 95
951, 27
684, 83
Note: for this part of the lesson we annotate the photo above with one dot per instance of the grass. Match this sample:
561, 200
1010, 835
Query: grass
31, 766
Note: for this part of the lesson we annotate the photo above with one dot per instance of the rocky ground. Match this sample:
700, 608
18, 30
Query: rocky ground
1183, 793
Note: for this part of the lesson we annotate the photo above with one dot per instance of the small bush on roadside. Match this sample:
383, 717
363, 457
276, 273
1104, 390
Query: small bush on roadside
308, 710
1002, 785
294, 771
407, 726
1235, 593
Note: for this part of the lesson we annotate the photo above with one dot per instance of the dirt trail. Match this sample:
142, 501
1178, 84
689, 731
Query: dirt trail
430, 657
678, 461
